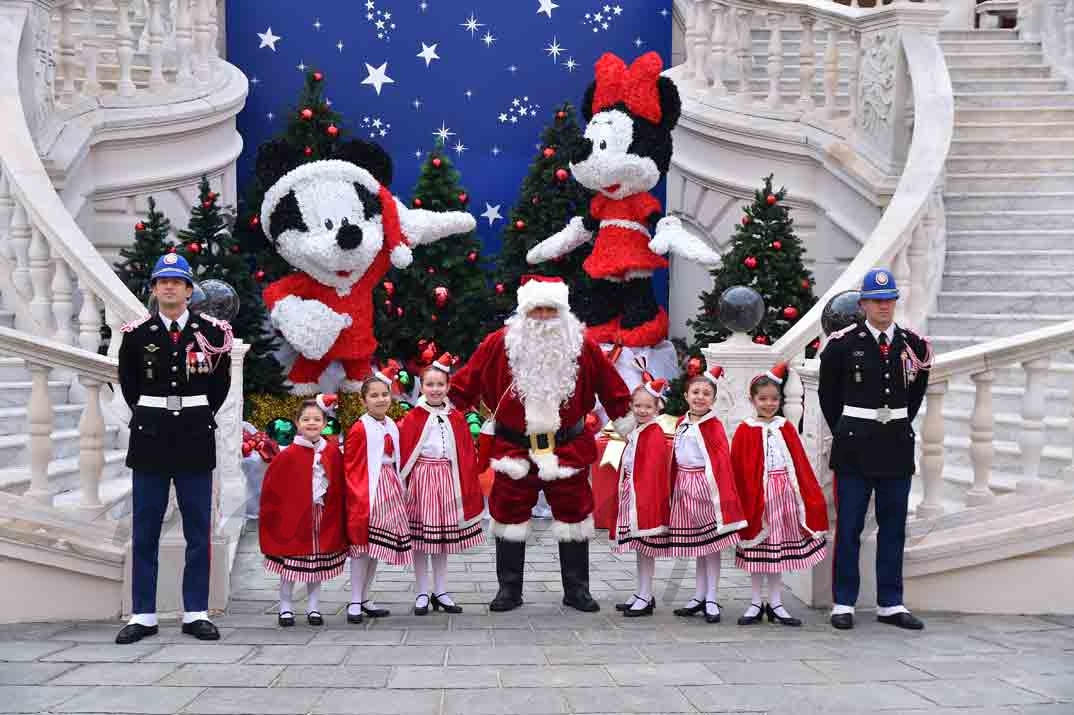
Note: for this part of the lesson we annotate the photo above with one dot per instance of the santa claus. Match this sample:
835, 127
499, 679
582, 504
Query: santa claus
540, 376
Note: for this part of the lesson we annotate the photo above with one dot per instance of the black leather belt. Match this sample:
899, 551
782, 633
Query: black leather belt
543, 442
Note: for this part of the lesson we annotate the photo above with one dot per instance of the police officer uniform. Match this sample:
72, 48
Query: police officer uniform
872, 384
175, 375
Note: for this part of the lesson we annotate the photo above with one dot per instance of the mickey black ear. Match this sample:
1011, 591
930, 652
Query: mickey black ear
274, 159
670, 104
587, 101
369, 156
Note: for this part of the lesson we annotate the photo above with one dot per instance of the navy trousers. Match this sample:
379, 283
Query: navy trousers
194, 494
852, 492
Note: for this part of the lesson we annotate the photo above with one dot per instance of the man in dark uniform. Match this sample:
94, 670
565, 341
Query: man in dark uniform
873, 376
175, 371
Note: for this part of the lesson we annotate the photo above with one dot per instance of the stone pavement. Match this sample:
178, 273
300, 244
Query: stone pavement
539, 659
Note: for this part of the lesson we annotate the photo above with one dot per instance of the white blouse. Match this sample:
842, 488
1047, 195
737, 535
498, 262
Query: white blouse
689, 445
320, 479
773, 450
382, 429
435, 444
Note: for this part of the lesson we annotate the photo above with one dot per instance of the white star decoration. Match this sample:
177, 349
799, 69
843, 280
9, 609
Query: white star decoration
301, 66
460, 148
472, 24
428, 53
492, 213
546, 6
377, 76
495, 152
488, 39
317, 24
268, 39
554, 49
339, 45
570, 64
416, 103
443, 133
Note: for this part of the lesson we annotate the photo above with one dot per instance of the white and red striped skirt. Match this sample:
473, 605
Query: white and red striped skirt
435, 514
651, 546
787, 547
694, 528
309, 568
389, 533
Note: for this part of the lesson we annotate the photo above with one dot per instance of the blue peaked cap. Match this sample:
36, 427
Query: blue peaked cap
172, 265
879, 284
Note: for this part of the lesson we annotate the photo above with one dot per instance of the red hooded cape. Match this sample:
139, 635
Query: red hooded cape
285, 526
652, 487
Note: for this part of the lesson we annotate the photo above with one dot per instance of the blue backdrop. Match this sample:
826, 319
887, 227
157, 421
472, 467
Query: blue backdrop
485, 76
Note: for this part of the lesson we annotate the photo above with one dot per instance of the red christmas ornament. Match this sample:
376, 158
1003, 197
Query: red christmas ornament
694, 367
332, 130
389, 288
206, 204
750, 262
805, 284
235, 249
193, 247
307, 113
308, 151
437, 161
171, 249
434, 317
212, 196
815, 344
417, 203
549, 152
520, 225
790, 313
771, 199
259, 275
500, 289
430, 270
387, 306
399, 311
561, 115
745, 220
139, 226
535, 200
562, 175
761, 340
317, 76
429, 353
442, 296
472, 256
777, 245
464, 197
255, 221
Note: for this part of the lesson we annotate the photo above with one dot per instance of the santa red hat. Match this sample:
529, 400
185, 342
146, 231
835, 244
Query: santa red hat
777, 373
713, 374
328, 403
542, 292
388, 373
444, 363
656, 388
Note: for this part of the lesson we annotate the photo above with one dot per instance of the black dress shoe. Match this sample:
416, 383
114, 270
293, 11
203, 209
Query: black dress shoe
902, 620
745, 620
647, 610
712, 617
625, 606
421, 610
691, 610
506, 600
842, 621
375, 612
774, 617
314, 618
353, 617
439, 605
202, 629
134, 632
286, 619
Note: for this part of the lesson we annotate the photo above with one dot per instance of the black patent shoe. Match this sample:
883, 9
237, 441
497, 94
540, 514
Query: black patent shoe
202, 629
774, 617
712, 617
134, 632
842, 621
625, 606
902, 620
355, 618
686, 611
421, 610
439, 605
314, 618
375, 612
286, 619
745, 620
647, 610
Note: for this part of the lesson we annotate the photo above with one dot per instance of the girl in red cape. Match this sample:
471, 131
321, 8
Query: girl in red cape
788, 518
644, 494
301, 519
377, 526
444, 497
705, 510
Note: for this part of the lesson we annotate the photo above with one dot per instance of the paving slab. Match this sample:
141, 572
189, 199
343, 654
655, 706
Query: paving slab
129, 699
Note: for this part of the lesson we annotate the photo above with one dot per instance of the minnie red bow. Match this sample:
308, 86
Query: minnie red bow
636, 87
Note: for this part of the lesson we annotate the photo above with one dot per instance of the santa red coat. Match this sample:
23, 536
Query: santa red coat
362, 462
285, 526
719, 473
622, 242
413, 431
748, 459
652, 488
487, 377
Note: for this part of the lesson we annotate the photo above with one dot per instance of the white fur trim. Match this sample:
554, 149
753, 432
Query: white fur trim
542, 294
671, 236
310, 326
350, 386
581, 531
568, 238
541, 416
548, 467
402, 256
327, 170
513, 467
623, 223
510, 532
625, 424
305, 388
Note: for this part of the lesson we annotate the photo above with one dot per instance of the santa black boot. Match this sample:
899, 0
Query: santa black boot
510, 561
574, 568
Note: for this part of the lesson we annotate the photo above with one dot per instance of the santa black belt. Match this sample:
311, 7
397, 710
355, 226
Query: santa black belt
543, 442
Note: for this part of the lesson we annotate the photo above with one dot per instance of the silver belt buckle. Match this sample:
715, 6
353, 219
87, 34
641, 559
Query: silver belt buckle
883, 415
174, 402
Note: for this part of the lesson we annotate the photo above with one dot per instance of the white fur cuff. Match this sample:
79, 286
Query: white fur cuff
513, 467
548, 467
510, 532
581, 531
625, 424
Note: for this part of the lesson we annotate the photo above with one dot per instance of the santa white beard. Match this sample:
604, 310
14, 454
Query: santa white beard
543, 355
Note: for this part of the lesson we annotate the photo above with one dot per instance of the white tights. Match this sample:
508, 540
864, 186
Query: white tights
421, 575
287, 594
363, 571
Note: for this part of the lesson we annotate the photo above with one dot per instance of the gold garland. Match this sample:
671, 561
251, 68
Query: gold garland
613, 452
263, 408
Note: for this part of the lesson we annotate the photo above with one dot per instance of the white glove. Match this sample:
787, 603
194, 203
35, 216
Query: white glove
421, 226
310, 326
671, 236
570, 237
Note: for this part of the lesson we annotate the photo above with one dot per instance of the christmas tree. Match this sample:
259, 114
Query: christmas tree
315, 131
549, 199
443, 297
766, 256
213, 252
150, 243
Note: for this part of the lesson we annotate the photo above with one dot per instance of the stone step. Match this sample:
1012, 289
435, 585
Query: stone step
1005, 131
1013, 220
15, 448
1011, 280
1020, 182
64, 417
958, 60
996, 260
1020, 84
1007, 200
1013, 115
1003, 72
63, 474
989, 34
1010, 164
1033, 240
990, 324
13, 370
17, 393
1019, 302
1000, 100
1007, 456
1014, 146
987, 45
114, 492
7, 318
